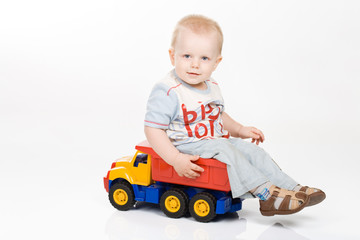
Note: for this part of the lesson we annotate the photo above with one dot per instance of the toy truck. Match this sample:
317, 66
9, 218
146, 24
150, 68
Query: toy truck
146, 177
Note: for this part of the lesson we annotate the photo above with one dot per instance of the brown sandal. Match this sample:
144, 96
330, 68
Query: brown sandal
299, 200
315, 197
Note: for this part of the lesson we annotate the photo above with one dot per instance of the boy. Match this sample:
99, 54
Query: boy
185, 120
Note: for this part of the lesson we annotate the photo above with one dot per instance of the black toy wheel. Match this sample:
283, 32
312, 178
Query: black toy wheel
121, 196
202, 207
174, 203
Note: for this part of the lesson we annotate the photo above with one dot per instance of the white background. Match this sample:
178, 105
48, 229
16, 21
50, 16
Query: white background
74, 80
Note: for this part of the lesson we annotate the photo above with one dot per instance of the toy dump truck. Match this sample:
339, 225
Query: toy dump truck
146, 177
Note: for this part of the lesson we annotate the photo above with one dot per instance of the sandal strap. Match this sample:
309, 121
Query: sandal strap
269, 204
281, 192
308, 190
294, 197
284, 205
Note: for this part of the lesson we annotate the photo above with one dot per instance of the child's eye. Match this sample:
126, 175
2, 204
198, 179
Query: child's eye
186, 56
205, 58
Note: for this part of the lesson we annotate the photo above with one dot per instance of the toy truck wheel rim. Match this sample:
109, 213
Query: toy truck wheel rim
120, 197
172, 204
201, 208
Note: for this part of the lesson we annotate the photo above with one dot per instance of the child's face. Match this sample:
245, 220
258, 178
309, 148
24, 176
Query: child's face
195, 56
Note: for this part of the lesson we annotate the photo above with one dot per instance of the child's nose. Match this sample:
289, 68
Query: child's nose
195, 63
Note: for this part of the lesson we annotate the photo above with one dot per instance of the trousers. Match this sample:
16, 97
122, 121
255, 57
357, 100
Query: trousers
248, 165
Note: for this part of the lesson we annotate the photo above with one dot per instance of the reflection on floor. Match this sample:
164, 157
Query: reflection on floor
148, 222
280, 232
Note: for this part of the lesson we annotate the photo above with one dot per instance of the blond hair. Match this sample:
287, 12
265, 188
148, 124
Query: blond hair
198, 24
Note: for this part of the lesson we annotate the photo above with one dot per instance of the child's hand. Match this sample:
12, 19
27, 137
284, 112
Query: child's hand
185, 167
254, 133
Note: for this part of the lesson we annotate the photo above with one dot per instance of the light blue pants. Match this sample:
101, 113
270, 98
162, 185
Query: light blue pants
248, 165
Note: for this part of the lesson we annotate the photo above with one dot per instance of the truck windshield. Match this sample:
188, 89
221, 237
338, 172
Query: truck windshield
140, 158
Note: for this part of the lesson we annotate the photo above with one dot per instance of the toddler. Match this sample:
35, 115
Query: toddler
185, 120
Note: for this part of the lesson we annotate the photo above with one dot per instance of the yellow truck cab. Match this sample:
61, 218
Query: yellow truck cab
135, 169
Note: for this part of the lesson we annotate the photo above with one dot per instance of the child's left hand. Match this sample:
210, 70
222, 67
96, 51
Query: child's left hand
252, 132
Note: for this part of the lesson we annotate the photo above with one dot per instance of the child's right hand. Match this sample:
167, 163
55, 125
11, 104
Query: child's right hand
185, 167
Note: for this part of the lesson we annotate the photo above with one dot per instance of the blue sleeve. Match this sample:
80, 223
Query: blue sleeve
162, 107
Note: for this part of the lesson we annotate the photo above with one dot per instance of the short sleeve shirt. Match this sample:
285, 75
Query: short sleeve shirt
186, 114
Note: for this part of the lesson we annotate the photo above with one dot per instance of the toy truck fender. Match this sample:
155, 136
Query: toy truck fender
119, 172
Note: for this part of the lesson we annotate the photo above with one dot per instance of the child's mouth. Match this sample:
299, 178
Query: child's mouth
194, 74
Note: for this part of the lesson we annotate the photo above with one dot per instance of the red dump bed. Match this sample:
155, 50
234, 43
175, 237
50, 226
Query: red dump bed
214, 176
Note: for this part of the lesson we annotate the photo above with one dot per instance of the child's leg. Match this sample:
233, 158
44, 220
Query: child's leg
263, 161
243, 176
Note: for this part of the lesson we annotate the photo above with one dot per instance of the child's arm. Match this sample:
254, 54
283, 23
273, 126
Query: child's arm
238, 130
182, 163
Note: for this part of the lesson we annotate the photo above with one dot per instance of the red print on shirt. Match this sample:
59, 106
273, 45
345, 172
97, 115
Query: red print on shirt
191, 116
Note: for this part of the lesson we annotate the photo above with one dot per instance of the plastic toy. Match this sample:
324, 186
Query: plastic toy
146, 177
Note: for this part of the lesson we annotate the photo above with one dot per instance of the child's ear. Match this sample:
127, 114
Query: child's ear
172, 55
218, 60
